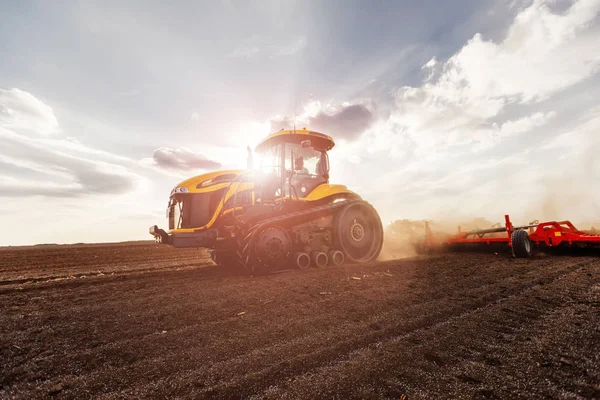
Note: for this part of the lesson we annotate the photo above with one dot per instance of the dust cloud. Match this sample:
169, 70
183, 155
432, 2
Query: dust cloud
405, 238
579, 205
402, 239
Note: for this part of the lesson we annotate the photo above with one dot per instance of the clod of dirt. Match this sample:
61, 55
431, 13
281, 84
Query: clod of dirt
375, 327
56, 389
434, 359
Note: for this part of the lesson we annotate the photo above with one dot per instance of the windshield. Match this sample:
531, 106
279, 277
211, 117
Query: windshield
305, 160
270, 160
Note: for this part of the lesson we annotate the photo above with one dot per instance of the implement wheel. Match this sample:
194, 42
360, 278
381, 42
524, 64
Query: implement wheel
358, 232
521, 244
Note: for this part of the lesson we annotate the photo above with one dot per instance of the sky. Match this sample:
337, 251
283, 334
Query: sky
439, 110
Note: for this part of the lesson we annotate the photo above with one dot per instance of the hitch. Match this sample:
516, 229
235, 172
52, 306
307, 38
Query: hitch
160, 236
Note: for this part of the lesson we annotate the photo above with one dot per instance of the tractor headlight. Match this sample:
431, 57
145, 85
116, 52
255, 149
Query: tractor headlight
179, 189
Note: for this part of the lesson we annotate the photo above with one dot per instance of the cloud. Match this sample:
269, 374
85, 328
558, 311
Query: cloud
60, 174
430, 64
182, 159
55, 166
542, 54
347, 121
282, 122
525, 124
21, 111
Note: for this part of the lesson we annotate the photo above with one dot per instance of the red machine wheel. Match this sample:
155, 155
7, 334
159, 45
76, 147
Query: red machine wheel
521, 244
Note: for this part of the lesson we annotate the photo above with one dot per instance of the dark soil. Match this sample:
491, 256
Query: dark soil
148, 321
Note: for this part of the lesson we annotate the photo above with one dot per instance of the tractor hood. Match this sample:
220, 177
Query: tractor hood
208, 182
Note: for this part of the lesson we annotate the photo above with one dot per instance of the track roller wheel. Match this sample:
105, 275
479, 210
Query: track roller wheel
336, 257
302, 260
358, 232
319, 258
521, 244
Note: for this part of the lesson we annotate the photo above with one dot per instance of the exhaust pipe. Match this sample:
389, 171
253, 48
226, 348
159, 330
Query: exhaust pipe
319, 258
302, 260
336, 257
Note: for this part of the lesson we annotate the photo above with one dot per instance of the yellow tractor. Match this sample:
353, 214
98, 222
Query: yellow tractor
285, 212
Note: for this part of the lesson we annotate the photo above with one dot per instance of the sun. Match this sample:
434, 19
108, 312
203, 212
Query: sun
251, 133
234, 154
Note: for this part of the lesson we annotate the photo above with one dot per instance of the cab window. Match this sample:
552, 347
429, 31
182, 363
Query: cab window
304, 159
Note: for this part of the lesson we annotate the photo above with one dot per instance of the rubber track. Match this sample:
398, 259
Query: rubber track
247, 254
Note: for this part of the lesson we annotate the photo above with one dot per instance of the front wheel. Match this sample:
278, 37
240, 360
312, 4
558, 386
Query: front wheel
358, 232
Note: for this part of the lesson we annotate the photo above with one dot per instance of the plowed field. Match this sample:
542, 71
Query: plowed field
148, 321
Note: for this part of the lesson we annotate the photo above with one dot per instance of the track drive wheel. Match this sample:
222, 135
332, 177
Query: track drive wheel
521, 244
358, 232
272, 246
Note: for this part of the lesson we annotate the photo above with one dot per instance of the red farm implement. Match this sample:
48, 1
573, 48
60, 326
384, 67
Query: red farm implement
522, 239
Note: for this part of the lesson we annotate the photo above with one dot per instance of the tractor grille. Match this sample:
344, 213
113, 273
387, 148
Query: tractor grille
193, 210
175, 214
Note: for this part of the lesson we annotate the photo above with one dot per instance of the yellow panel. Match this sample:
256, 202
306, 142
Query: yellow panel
192, 183
326, 190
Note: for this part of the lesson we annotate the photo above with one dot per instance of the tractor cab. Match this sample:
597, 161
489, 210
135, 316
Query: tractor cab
292, 164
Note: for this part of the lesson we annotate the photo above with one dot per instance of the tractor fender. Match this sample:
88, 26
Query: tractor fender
326, 190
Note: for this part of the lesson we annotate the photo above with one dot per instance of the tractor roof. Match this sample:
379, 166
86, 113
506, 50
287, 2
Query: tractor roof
319, 140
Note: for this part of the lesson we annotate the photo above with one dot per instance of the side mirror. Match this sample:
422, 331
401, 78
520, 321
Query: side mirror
305, 144
324, 162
